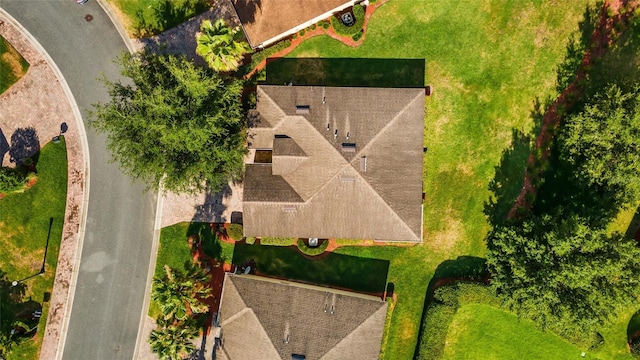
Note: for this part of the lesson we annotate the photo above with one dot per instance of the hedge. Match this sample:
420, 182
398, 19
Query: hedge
312, 251
342, 29
257, 57
277, 241
235, 232
12, 179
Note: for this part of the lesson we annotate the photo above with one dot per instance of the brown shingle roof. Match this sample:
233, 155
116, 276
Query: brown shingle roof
265, 19
272, 319
339, 199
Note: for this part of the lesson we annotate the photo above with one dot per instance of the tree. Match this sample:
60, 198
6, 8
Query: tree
172, 339
220, 45
179, 292
562, 273
601, 145
175, 123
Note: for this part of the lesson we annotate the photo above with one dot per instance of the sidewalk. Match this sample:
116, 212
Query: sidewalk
40, 100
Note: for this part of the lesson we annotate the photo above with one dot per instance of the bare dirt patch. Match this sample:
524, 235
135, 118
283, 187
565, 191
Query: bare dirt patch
12, 59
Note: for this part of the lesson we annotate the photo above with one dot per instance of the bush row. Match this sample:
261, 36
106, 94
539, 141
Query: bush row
12, 179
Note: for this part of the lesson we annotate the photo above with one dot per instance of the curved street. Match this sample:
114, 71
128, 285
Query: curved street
108, 300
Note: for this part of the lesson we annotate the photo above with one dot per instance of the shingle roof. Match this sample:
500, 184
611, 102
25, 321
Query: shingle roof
273, 319
339, 197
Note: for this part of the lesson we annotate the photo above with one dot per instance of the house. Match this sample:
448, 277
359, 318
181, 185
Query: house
267, 21
262, 318
335, 162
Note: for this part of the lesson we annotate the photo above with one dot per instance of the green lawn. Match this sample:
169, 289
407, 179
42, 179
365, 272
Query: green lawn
480, 331
488, 62
151, 17
12, 65
25, 220
174, 249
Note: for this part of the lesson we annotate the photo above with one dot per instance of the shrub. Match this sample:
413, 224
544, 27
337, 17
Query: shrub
302, 32
357, 35
277, 241
315, 250
12, 179
313, 27
634, 347
324, 24
152, 18
258, 56
235, 232
250, 240
342, 29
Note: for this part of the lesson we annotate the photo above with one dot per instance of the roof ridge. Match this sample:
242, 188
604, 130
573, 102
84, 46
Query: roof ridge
360, 326
275, 105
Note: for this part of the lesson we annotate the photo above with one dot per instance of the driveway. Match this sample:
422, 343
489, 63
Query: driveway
108, 299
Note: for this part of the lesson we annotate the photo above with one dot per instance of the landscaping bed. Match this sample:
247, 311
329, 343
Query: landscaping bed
12, 65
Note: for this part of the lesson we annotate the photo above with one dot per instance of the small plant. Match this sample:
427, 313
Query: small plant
325, 24
357, 35
12, 179
302, 32
313, 27
312, 251
342, 29
250, 240
235, 232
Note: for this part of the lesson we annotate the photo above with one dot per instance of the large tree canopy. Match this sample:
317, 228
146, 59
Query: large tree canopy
562, 272
175, 123
601, 145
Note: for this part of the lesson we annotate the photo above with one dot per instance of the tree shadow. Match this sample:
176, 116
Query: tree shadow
10, 301
633, 328
247, 10
509, 177
4, 146
204, 236
212, 210
567, 70
357, 72
24, 144
463, 268
633, 231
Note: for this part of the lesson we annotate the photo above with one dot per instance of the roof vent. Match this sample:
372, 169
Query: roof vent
348, 178
302, 109
363, 164
349, 147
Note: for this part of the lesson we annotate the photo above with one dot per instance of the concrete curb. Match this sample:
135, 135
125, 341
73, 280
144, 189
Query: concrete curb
158, 219
157, 228
116, 22
75, 258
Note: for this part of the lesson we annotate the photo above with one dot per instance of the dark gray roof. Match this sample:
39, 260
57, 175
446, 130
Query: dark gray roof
339, 197
267, 187
273, 319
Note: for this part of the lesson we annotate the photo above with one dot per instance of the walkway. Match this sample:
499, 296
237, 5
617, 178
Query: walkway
108, 298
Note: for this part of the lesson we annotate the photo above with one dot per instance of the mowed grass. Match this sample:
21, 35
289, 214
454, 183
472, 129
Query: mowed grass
174, 250
482, 332
12, 65
24, 227
488, 62
151, 17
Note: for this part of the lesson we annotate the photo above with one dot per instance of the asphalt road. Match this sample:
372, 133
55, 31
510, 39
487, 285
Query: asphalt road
117, 246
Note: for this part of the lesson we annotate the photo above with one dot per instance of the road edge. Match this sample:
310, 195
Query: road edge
74, 260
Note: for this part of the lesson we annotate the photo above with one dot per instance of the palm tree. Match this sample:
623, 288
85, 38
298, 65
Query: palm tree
172, 340
220, 46
178, 292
